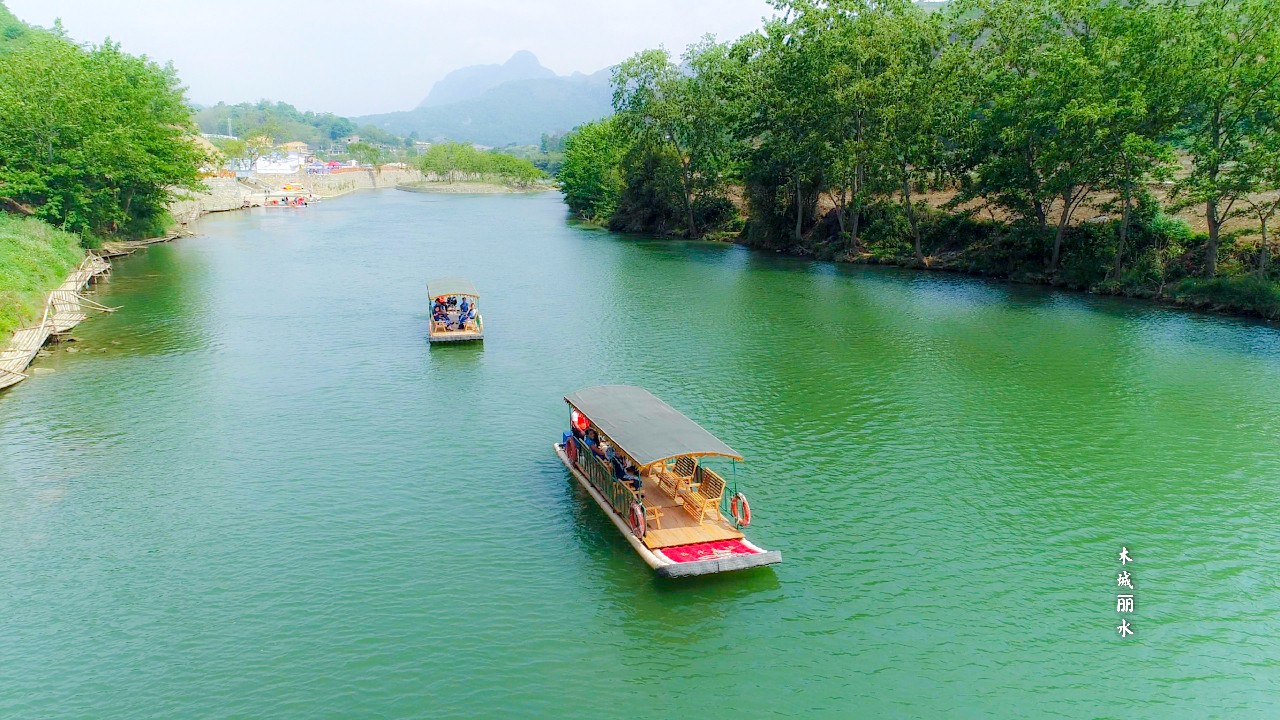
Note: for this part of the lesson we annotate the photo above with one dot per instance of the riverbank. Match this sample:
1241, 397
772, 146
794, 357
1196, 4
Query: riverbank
225, 194
42, 269
469, 188
1162, 253
34, 259
1239, 296
64, 309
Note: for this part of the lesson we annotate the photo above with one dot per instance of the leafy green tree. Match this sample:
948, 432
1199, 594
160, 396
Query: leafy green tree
823, 79
1040, 105
662, 105
232, 149
1260, 168
367, 154
258, 146
591, 176
786, 133
94, 140
915, 116
453, 161
1232, 64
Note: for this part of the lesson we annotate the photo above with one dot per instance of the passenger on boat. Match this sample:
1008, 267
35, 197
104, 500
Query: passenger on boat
623, 470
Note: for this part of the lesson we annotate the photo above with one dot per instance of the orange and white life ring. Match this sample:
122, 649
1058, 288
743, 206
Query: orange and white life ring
635, 518
741, 509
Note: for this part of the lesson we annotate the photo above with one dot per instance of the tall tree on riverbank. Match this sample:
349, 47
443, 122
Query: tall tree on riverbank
1040, 104
1261, 168
591, 177
918, 118
1232, 61
676, 112
1137, 54
828, 62
94, 140
801, 135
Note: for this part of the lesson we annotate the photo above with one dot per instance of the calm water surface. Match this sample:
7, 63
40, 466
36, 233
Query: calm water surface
255, 491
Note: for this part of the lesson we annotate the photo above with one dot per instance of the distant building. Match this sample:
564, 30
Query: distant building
294, 148
290, 164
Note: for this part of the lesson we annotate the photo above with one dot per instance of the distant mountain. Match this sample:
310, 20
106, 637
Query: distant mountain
511, 111
473, 81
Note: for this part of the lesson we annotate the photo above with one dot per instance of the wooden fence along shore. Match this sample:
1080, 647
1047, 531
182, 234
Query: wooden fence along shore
64, 309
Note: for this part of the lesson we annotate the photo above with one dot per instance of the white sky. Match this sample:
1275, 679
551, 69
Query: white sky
355, 58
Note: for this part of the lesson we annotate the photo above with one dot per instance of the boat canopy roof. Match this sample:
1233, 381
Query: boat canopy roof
441, 287
643, 426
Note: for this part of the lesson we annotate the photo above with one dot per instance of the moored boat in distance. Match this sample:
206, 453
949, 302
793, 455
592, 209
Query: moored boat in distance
642, 461
289, 195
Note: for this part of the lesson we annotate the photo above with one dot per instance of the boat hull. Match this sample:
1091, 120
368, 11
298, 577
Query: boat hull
453, 337
658, 560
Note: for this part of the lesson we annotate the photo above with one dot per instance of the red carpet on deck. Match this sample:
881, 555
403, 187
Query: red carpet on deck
706, 551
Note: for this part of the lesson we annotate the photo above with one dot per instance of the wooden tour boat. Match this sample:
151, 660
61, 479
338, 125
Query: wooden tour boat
678, 515
460, 320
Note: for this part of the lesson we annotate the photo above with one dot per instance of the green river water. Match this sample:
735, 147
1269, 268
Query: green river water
256, 491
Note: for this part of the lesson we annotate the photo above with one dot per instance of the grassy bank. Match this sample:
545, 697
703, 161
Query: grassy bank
34, 259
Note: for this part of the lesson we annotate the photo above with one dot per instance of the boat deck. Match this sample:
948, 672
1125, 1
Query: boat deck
677, 527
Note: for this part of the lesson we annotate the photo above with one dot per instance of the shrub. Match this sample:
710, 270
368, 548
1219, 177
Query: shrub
713, 211
1249, 294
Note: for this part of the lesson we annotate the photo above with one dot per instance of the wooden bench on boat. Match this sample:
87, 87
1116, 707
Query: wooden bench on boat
674, 522
704, 499
679, 474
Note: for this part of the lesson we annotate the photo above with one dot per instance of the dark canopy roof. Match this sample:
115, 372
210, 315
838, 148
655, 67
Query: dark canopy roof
451, 286
643, 426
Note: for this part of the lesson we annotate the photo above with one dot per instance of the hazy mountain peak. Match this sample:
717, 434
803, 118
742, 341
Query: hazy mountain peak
473, 81
524, 59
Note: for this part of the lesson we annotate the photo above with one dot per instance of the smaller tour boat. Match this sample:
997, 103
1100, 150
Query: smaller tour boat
289, 195
642, 462
455, 316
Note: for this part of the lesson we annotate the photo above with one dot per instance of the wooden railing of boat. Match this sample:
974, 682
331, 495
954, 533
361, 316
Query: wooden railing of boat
619, 494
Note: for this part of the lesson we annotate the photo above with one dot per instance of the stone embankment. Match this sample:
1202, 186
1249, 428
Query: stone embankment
224, 194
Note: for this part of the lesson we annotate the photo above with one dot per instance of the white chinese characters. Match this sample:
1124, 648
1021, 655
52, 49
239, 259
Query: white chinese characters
1124, 602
